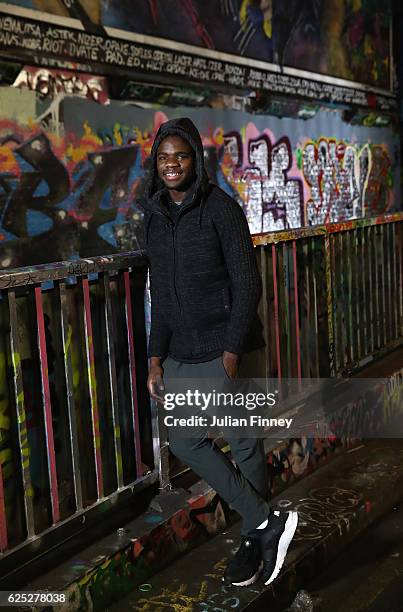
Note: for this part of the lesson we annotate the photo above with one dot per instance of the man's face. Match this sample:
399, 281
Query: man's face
175, 163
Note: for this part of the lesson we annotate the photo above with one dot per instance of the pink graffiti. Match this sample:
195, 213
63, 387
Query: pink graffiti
273, 200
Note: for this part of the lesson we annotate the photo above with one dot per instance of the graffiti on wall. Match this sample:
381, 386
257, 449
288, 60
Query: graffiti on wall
69, 185
337, 176
49, 82
342, 38
63, 194
324, 181
272, 199
346, 181
91, 8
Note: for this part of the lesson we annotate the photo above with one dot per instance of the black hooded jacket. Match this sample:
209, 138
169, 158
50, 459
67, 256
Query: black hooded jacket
205, 284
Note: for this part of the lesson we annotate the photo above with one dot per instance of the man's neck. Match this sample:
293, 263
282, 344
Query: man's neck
177, 196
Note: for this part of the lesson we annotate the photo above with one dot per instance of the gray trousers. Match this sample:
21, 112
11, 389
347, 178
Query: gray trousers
245, 487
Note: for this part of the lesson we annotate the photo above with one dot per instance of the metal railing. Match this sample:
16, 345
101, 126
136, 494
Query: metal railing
77, 429
332, 296
76, 424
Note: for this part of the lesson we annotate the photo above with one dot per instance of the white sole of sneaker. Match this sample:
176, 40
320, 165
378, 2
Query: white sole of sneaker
285, 541
251, 580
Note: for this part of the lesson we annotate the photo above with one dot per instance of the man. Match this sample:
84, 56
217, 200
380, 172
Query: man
205, 288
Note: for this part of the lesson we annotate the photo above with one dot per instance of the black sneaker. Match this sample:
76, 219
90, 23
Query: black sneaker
275, 540
244, 569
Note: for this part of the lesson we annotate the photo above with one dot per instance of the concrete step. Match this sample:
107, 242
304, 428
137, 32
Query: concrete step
373, 564
335, 504
120, 561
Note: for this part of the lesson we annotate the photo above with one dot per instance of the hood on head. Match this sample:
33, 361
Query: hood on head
186, 129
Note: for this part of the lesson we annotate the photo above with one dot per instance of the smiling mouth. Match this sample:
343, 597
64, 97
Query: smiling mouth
172, 175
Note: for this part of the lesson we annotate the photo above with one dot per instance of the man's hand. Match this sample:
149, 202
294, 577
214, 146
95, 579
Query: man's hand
155, 382
230, 363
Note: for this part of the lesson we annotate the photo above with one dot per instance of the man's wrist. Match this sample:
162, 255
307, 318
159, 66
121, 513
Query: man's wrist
231, 356
155, 362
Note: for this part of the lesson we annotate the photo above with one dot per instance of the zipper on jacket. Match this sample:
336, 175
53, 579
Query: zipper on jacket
173, 227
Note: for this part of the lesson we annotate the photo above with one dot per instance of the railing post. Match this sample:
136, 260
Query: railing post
296, 306
349, 303
276, 310
92, 386
113, 385
132, 373
400, 278
67, 333
263, 265
330, 305
160, 439
24, 449
47, 407
3, 519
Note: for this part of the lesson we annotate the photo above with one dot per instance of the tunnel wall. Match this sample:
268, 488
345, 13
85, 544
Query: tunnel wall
71, 169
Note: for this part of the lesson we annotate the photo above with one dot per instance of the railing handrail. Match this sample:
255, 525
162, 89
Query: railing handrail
32, 275
324, 230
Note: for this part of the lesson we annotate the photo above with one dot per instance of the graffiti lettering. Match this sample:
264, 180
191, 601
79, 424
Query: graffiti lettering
40, 189
340, 178
273, 201
324, 509
44, 195
47, 82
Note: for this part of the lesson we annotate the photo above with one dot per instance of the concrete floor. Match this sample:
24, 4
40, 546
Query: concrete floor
368, 575
371, 569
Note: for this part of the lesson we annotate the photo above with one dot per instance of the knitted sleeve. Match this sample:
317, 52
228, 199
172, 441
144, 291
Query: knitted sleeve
160, 332
240, 258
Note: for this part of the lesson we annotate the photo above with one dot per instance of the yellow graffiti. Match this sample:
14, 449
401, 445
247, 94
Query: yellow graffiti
219, 567
117, 134
5, 455
218, 136
119, 465
21, 414
7, 160
16, 360
87, 578
76, 378
68, 340
2, 366
105, 565
172, 600
89, 143
4, 420
76, 365
7, 472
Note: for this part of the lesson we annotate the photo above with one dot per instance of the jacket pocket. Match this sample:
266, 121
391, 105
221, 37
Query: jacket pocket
207, 310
